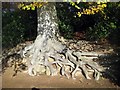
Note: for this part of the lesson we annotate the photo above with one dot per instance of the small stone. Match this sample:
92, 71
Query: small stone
87, 47
82, 48
75, 45
40, 69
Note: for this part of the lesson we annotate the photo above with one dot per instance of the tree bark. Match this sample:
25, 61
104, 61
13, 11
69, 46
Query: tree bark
47, 20
46, 44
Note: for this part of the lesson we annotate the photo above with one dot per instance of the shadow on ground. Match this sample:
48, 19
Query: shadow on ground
112, 64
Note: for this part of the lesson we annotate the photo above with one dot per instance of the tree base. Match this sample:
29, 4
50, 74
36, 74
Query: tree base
51, 57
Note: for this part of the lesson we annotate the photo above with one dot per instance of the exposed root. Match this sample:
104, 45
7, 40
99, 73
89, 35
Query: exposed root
49, 53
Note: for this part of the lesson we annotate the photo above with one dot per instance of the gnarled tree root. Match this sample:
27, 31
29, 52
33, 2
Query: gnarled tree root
54, 55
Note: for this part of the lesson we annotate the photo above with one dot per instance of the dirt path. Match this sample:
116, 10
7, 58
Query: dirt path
23, 80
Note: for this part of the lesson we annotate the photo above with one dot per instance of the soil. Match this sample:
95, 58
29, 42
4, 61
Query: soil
23, 80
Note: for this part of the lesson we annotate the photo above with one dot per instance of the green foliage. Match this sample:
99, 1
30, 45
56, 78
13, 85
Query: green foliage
113, 13
17, 26
107, 25
70, 22
13, 29
65, 20
66, 30
21, 25
31, 6
100, 30
88, 8
12, 34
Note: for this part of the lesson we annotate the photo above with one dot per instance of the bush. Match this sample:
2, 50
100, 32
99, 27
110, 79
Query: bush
65, 18
100, 30
66, 30
107, 24
12, 30
17, 26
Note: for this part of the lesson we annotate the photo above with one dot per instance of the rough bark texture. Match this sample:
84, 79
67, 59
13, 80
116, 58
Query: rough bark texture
49, 55
47, 20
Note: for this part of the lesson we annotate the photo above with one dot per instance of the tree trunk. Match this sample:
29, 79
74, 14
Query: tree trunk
46, 43
47, 20
48, 55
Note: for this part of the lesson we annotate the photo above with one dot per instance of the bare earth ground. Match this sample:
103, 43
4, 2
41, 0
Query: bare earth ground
23, 80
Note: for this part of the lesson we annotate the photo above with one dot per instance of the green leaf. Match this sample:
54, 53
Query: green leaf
24, 8
78, 1
33, 8
77, 7
28, 8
